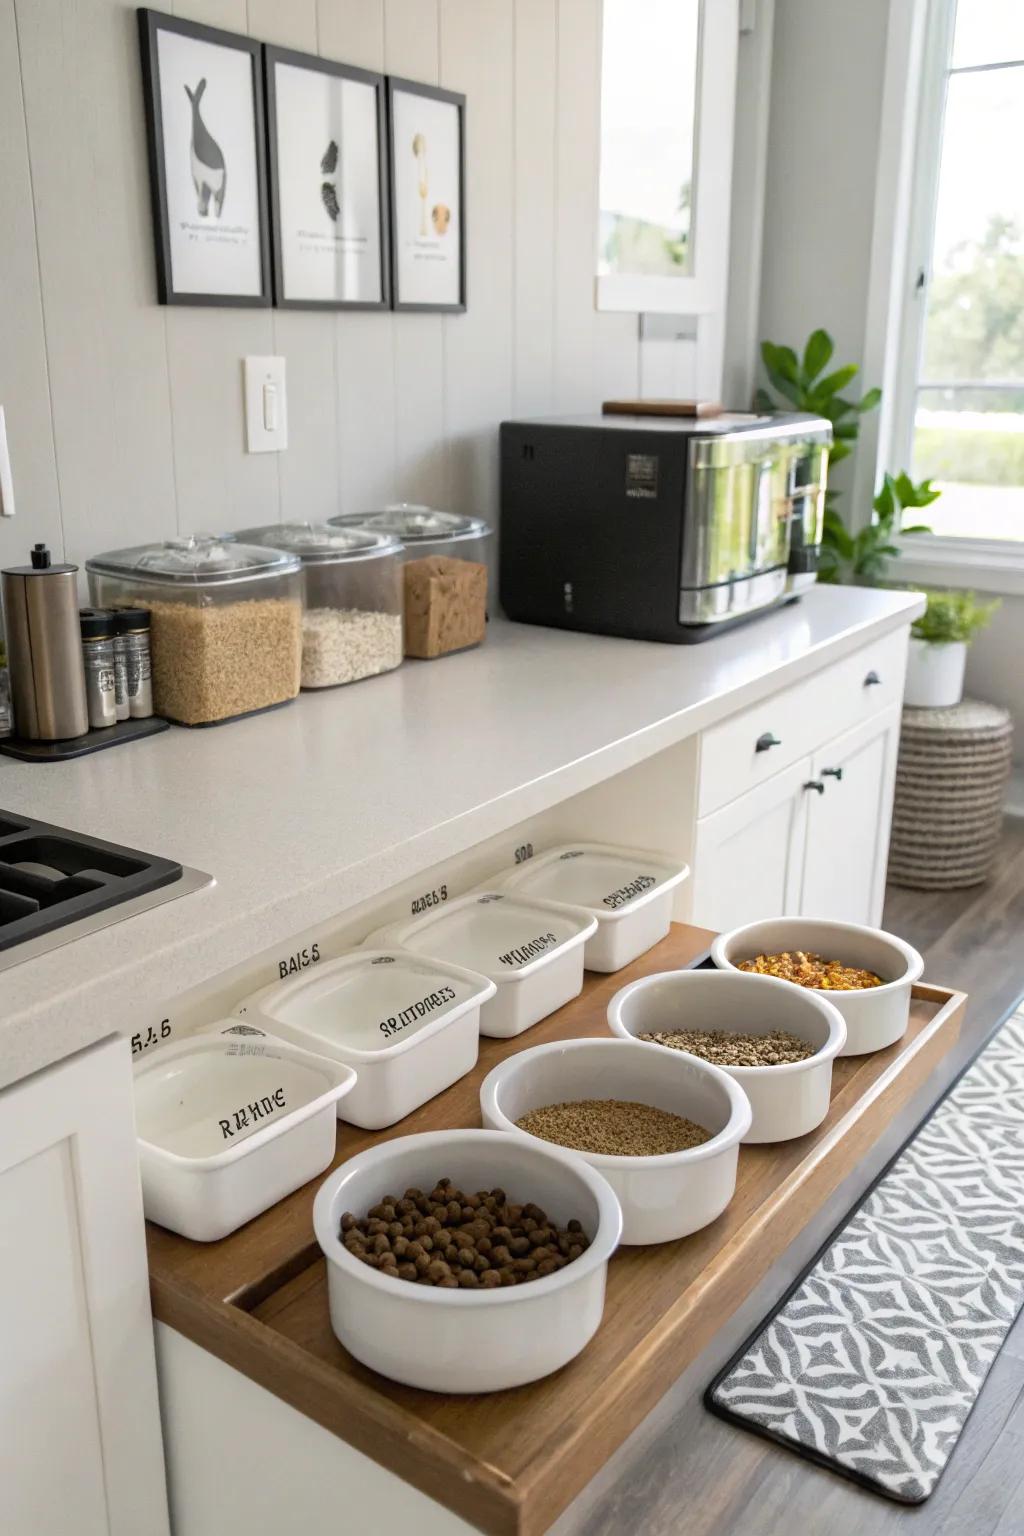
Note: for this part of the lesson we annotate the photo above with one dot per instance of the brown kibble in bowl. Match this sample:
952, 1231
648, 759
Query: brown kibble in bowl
463, 1253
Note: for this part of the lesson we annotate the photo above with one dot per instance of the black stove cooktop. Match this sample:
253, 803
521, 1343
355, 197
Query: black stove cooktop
50, 877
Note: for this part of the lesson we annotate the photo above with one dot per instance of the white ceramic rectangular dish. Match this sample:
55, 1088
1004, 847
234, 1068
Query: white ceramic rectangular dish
531, 950
410, 1027
627, 891
228, 1124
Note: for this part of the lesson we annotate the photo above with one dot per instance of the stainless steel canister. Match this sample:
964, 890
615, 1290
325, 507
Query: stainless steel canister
44, 647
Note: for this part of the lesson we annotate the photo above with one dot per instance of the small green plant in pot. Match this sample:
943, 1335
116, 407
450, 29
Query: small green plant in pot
938, 647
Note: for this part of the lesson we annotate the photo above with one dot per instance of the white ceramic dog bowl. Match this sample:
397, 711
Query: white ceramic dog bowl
875, 1017
786, 1101
628, 892
467, 1341
409, 1027
531, 950
662, 1197
227, 1126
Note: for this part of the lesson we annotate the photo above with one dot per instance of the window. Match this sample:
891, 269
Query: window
967, 426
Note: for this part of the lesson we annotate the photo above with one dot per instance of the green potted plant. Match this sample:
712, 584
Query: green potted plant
938, 647
856, 557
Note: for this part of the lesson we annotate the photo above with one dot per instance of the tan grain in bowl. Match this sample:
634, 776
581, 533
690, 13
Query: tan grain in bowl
214, 662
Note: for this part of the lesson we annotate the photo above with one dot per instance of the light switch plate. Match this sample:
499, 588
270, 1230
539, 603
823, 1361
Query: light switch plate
6, 478
266, 404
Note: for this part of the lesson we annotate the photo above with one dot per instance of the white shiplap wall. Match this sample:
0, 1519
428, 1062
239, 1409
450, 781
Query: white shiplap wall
125, 419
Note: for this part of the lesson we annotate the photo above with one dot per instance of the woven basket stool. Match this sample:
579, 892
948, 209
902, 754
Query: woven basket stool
950, 781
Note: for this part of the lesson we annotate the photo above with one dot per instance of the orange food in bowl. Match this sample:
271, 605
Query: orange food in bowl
810, 970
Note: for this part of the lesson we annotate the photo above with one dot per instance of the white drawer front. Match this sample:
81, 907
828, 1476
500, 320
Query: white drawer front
749, 747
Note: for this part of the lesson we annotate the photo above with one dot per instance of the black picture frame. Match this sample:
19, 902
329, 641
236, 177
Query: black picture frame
151, 23
395, 85
272, 56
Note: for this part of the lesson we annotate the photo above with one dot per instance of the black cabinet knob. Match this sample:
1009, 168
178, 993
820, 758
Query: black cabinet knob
767, 741
872, 680
815, 784
832, 773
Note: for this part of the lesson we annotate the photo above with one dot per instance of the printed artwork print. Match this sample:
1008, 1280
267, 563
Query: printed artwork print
209, 147
328, 201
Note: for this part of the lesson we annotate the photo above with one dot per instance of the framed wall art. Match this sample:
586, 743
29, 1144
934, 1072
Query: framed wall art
205, 127
328, 197
427, 180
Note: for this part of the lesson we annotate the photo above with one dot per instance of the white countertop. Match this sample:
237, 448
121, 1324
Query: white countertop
308, 810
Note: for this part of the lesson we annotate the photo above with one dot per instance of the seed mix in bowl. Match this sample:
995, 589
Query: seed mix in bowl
458, 1241
810, 970
726, 1048
613, 1128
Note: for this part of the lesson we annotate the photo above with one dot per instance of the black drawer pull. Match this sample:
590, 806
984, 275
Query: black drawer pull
766, 741
872, 680
815, 784
832, 773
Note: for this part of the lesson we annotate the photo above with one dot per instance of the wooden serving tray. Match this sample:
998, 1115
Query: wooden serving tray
510, 1462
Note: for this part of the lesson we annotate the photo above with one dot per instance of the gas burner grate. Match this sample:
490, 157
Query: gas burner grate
50, 877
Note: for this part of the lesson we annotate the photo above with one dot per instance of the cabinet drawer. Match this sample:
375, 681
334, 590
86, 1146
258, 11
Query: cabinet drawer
750, 746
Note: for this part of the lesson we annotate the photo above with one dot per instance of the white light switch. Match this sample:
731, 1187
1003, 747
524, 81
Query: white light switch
6, 478
266, 405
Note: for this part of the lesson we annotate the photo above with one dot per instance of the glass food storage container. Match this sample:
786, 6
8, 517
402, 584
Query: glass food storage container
352, 582
226, 634
425, 531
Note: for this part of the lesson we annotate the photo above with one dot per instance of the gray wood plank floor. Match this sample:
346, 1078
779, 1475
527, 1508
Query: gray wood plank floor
700, 1477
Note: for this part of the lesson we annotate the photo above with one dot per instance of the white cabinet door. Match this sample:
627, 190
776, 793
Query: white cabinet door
848, 823
748, 857
80, 1445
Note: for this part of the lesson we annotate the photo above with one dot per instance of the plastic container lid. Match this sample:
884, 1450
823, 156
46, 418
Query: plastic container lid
416, 524
205, 1098
609, 881
369, 1004
198, 560
501, 936
322, 544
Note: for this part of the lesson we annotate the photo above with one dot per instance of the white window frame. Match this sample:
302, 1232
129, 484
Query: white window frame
700, 291
919, 48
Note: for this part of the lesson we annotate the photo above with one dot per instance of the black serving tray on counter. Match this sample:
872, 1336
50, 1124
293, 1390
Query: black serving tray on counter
27, 751
50, 877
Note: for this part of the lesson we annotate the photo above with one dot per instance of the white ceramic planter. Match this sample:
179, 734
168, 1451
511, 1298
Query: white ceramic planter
228, 1126
627, 891
875, 1017
662, 1198
467, 1341
409, 1027
531, 950
785, 1101
935, 674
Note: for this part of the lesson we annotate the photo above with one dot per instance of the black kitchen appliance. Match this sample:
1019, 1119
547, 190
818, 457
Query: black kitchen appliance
659, 528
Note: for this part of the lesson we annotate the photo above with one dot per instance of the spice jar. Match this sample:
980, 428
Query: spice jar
352, 587
121, 704
98, 627
133, 625
425, 531
225, 623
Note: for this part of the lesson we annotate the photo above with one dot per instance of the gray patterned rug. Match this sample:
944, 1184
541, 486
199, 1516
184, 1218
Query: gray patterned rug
874, 1360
